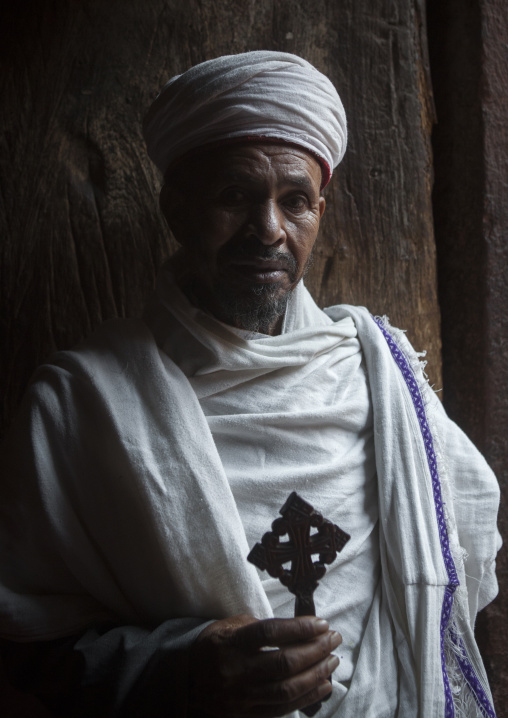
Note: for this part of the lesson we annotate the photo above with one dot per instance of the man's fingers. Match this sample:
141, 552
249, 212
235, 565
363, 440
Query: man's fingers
279, 632
242, 679
282, 698
293, 659
317, 694
291, 690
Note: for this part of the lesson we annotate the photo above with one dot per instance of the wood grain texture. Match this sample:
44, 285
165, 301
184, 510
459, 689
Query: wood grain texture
493, 627
469, 59
82, 236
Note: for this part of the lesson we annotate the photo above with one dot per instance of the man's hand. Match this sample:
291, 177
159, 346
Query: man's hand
232, 677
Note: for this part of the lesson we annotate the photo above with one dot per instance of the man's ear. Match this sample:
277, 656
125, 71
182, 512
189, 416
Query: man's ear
322, 205
172, 204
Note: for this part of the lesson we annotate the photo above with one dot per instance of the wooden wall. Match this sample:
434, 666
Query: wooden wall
469, 58
82, 236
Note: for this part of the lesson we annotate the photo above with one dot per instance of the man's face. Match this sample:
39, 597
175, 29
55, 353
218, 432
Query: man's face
247, 221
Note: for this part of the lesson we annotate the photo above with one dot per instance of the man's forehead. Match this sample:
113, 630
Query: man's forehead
257, 161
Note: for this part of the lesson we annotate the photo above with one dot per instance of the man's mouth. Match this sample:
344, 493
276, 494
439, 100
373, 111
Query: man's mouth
260, 270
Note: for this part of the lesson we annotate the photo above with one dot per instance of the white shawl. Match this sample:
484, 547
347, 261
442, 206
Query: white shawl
118, 506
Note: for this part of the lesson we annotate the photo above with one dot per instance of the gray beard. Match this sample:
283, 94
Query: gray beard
258, 307
255, 312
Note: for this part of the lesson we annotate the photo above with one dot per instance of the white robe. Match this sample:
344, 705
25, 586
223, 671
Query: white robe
306, 426
122, 506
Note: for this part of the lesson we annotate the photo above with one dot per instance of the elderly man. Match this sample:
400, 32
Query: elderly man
145, 464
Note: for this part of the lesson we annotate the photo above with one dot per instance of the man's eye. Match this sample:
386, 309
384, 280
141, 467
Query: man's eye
296, 203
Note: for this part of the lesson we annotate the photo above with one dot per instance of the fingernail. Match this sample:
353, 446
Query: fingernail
332, 664
324, 689
335, 639
321, 624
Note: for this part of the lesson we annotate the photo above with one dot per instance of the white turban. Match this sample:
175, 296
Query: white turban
259, 94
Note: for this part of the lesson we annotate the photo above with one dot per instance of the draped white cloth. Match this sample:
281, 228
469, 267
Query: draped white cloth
267, 94
287, 413
121, 504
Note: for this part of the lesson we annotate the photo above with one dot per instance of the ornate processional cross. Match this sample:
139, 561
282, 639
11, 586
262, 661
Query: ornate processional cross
302, 577
298, 518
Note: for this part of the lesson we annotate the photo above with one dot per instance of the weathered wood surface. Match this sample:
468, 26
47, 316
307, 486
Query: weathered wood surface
82, 236
469, 53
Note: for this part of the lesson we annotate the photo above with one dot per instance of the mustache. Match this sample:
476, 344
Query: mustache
254, 249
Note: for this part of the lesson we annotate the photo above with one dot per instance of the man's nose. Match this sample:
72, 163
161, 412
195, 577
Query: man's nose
266, 222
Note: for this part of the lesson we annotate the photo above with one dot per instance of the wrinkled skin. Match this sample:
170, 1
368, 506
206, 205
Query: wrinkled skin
231, 676
246, 218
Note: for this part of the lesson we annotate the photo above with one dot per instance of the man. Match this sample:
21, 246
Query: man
146, 464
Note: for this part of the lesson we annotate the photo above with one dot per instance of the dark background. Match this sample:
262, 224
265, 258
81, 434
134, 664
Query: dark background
417, 217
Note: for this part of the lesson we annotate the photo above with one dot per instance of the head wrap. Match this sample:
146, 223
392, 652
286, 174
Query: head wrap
261, 94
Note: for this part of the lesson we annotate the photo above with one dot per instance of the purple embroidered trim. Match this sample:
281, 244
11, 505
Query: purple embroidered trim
453, 581
472, 680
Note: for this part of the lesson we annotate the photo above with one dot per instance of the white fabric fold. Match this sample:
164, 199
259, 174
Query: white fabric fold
119, 506
273, 95
292, 412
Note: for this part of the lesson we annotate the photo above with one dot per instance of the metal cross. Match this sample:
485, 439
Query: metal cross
302, 577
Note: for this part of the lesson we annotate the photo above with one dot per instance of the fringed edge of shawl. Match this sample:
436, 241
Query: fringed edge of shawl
465, 695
